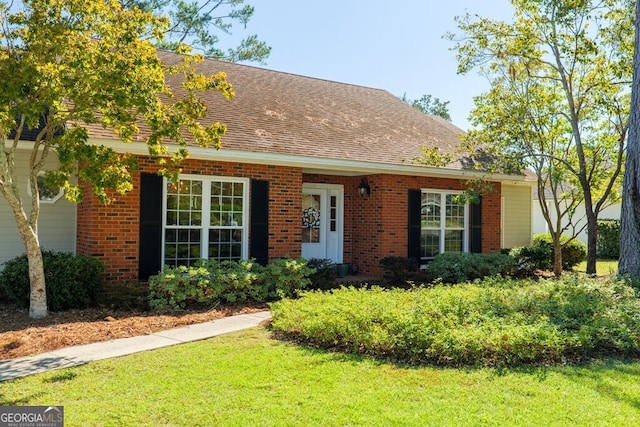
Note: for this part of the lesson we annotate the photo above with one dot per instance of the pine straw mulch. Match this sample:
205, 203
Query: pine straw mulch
21, 336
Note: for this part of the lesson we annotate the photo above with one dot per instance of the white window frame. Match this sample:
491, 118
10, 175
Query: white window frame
46, 201
206, 212
443, 228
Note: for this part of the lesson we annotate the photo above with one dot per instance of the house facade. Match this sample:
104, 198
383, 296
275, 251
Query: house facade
309, 168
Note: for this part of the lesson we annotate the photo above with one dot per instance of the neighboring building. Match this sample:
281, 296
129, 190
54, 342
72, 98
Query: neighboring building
579, 218
309, 168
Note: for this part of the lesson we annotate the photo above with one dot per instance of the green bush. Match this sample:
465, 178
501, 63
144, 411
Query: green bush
528, 259
464, 267
573, 253
285, 277
399, 270
213, 282
403, 272
496, 322
324, 274
72, 281
608, 240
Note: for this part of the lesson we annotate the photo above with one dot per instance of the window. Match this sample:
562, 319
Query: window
48, 193
205, 218
310, 218
443, 224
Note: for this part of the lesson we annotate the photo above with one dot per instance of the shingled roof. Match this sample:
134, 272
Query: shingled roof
278, 113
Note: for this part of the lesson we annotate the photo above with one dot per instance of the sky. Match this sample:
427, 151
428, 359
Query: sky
395, 45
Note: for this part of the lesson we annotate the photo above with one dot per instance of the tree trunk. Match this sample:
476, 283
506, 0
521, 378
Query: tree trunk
592, 238
38, 298
557, 256
630, 216
29, 235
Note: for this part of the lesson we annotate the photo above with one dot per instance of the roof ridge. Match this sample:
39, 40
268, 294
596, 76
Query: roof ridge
262, 68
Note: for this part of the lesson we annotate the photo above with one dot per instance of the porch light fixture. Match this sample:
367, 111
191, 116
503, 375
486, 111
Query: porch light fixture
364, 188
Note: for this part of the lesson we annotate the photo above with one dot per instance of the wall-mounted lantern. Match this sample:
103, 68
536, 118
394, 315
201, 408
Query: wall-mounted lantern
364, 188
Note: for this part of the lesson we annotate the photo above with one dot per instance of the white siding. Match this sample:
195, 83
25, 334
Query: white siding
540, 225
516, 215
57, 224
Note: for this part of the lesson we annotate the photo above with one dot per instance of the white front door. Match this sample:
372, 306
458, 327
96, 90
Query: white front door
322, 221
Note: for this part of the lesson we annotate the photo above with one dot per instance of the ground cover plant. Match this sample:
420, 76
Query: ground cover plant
249, 379
495, 322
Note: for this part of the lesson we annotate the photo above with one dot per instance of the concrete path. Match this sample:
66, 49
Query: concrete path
81, 354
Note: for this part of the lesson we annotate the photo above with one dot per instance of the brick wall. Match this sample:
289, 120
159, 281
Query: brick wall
375, 226
111, 233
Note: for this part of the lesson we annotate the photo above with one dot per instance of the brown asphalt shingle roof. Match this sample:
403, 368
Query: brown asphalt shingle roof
281, 113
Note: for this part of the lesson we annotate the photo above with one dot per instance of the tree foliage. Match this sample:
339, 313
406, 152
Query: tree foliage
429, 105
558, 102
201, 23
72, 63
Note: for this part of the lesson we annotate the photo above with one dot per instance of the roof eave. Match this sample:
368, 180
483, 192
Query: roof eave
317, 165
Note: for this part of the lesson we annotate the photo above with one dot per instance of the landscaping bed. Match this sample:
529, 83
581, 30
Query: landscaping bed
22, 336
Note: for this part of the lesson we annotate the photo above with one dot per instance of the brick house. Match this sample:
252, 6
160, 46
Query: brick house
309, 168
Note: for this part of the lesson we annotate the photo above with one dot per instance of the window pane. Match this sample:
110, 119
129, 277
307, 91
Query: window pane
430, 243
454, 213
238, 189
172, 202
225, 244
182, 247
184, 203
310, 218
453, 241
430, 210
227, 204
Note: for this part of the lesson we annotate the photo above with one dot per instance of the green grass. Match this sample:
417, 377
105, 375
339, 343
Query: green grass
249, 379
604, 267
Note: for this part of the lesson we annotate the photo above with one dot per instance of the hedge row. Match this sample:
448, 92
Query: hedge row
495, 322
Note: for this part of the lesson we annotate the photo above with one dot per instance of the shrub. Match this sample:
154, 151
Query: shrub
72, 281
399, 270
285, 277
573, 253
496, 322
403, 272
528, 259
213, 282
324, 274
608, 240
463, 267
208, 283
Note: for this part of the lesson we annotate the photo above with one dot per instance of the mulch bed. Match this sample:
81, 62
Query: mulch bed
22, 336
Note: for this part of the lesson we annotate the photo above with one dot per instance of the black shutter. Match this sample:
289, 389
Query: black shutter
476, 227
149, 259
415, 228
259, 231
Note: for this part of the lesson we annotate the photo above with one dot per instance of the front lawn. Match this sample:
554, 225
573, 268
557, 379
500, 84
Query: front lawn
604, 267
249, 379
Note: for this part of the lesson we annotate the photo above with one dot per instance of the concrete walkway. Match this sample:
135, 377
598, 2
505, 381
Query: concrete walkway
81, 354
